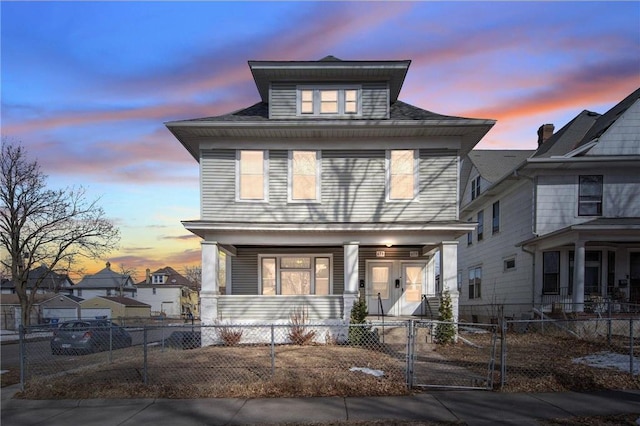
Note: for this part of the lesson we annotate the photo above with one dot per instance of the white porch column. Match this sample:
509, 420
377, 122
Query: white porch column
210, 289
578, 276
449, 273
350, 294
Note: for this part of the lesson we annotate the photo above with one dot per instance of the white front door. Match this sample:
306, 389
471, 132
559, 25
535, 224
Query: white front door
380, 290
395, 287
413, 287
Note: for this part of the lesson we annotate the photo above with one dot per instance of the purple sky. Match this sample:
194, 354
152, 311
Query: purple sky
87, 86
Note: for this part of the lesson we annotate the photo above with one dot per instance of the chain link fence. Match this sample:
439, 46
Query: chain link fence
378, 358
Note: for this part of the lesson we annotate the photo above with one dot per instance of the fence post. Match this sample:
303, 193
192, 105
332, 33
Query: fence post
110, 342
631, 342
503, 354
273, 351
23, 355
144, 350
410, 354
609, 323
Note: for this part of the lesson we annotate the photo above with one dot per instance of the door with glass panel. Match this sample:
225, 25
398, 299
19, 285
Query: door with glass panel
413, 287
380, 282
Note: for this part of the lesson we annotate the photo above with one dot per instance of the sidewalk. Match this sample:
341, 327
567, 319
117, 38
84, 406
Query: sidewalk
466, 407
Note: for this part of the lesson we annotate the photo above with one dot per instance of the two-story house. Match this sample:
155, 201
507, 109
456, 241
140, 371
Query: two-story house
105, 282
327, 188
43, 280
557, 226
169, 293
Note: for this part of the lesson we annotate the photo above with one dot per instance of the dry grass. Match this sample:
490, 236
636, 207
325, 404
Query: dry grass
231, 372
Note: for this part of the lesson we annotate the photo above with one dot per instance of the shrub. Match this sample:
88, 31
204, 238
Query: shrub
446, 329
298, 333
230, 336
359, 333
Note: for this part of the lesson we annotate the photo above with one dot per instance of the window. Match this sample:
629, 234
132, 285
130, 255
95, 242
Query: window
401, 174
304, 176
296, 275
551, 272
329, 101
480, 225
470, 234
252, 177
495, 221
154, 290
590, 196
475, 283
475, 188
158, 279
510, 264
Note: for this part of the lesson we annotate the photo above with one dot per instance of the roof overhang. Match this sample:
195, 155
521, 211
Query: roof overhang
327, 234
266, 72
581, 162
192, 133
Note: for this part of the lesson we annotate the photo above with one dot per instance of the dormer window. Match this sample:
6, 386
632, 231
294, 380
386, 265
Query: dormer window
158, 279
329, 101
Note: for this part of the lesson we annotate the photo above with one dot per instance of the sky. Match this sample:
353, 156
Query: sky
86, 87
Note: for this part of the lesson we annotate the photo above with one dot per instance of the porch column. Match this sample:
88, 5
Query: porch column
350, 277
578, 277
210, 288
449, 273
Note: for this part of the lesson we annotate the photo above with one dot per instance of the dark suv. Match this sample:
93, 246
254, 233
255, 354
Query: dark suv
85, 336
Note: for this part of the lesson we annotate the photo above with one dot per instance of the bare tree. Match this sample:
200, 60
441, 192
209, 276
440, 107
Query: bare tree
194, 275
44, 226
127, 274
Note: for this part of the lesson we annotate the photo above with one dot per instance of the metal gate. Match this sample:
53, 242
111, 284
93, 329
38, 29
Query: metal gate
468, 363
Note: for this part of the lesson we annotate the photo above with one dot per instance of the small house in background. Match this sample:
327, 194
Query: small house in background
48, 308
169, 293
46, 280
105, 282
118, 308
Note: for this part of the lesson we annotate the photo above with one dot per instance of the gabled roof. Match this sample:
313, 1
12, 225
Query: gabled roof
105, 278
47, 279
329, 69
173, 278
12, 299
494, 164
568, 137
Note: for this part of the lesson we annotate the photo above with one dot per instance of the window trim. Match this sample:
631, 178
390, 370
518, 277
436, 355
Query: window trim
416, 177
480, 216
477, 286
316, 100
585, 203
278, 256
495, 218
505, 267
265, 176
470, 234
318, 199
475, 187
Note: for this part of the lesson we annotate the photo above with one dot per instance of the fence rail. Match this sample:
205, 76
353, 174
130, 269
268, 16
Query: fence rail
318, 359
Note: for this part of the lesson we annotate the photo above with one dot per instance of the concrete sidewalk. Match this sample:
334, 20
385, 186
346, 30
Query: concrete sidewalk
467, 407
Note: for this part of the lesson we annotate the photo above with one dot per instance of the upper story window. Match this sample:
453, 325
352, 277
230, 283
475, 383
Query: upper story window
480, 225
329, 101
475, 188
251, 177
402, 175
470, 234
495, 219
590, 196
158, 279
304, 176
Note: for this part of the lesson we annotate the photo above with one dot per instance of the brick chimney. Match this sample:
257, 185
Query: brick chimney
545, 132
148, 274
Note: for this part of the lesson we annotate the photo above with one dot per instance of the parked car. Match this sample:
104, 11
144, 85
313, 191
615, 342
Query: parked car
85, 336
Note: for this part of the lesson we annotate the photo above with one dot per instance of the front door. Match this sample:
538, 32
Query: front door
381, 289
395, 287
413, 280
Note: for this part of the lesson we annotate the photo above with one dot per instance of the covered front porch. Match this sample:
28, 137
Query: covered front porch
585, 267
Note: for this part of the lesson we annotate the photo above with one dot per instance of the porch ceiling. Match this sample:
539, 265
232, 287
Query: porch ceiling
307, 234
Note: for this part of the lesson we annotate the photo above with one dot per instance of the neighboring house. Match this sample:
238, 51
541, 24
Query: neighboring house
327, 188
169, 294
115, 307
47, 308
558, 225
106, 282
45, 279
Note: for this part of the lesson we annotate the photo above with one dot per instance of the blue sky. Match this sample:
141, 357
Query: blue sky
87, 86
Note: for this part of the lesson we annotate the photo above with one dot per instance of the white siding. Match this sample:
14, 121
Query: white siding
622, 138
169, 295
499, 286
557, 197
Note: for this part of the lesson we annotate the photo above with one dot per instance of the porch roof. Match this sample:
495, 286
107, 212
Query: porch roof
603, 230
396, 233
